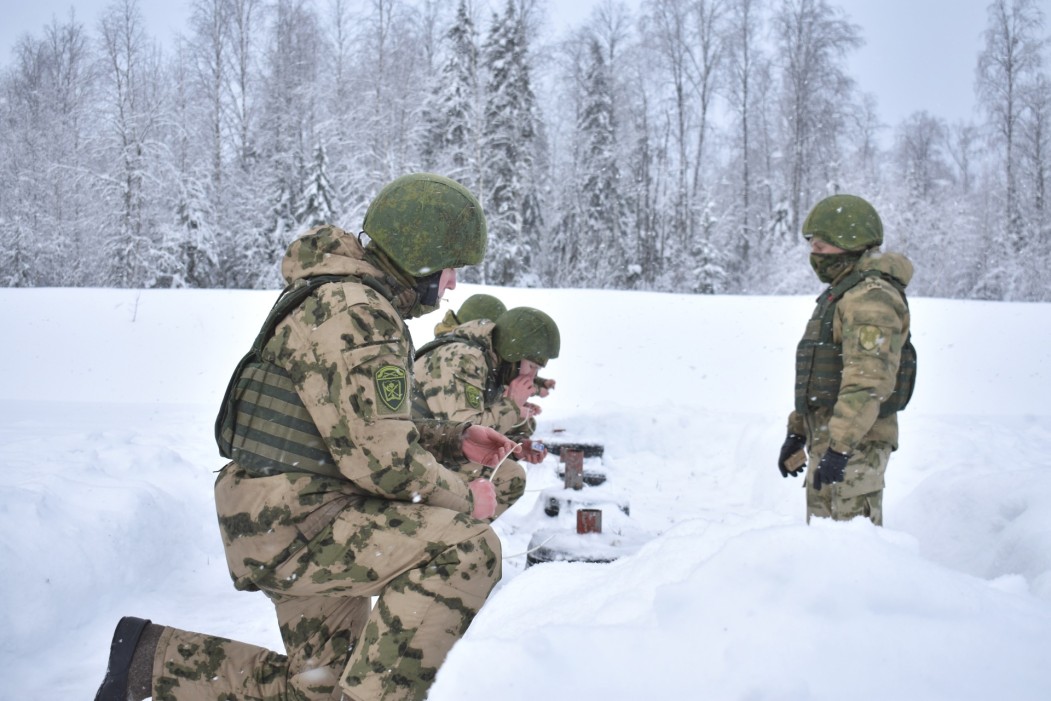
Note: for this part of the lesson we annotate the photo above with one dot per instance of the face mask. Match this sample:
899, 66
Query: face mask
427, 289
829, 266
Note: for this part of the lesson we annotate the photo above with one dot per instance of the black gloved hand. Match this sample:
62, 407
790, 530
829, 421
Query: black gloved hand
794, 443
831, 469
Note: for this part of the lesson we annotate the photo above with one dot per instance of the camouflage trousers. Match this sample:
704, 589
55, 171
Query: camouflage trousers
430, 568
861, 491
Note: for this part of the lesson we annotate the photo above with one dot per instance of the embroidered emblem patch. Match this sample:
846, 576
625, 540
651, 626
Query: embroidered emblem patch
869, 337
391, 385
474, 397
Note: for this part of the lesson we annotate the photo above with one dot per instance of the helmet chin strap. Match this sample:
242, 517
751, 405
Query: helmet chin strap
427, 289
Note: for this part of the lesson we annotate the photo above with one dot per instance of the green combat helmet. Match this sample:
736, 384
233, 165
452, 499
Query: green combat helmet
480, 306
526, 333
845, 221
426, 223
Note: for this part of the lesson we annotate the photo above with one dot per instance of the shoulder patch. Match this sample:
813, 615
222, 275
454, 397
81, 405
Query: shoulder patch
474, 397
869, 337
391, 388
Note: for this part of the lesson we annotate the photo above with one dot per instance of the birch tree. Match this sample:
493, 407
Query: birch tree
1007, 65
813, 40
133, 105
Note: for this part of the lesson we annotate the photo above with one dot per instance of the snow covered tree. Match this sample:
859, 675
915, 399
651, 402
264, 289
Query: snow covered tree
318, 203
289, 125
671, 40
1008, 64
392, 68
134, 111
920, 155
1034, 170
188, 256
46, 113
509, 190
745, 66
452, 138
813, 40
601, 232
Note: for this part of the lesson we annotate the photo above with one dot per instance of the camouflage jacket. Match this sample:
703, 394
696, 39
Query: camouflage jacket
871, 323
347, 350
458, 381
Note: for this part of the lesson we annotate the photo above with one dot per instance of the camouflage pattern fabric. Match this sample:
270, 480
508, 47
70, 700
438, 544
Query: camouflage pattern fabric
871, 323
393, 524
318, 632
427, 222
509, 481
447, 324
454, 383
859, 494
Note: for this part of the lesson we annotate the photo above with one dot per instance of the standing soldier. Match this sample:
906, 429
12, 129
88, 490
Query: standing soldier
484, 371
332, 496
855, 367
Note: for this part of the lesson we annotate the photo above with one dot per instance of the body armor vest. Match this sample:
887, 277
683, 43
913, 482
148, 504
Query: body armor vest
262, 422
819, 361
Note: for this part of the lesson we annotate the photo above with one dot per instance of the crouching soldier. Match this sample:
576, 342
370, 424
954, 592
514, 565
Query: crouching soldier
334, 494
484, 372
477, 306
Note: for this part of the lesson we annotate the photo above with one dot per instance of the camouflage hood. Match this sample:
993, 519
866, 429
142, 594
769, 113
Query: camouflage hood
480, 330
326, 250
894, 264
448, 323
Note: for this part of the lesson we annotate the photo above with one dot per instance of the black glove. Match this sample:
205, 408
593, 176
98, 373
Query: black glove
794, 443
831, 469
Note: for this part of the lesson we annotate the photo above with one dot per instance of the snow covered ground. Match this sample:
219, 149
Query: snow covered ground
106, 447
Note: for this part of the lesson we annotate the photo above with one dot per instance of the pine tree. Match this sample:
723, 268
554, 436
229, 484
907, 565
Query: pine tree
510, 195
451, 145
317, 204
603, 206
188, 256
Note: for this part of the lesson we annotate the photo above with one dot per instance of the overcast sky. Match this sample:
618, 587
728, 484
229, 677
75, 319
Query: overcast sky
918, 54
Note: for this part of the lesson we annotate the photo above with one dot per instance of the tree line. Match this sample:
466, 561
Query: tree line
672, 146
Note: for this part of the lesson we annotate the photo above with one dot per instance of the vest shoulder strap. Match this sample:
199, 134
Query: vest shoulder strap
447, 338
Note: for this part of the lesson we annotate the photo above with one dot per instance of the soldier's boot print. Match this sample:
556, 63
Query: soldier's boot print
129, 671
418, 618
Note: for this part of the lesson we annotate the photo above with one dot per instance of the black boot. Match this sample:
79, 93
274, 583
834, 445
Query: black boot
129, 673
